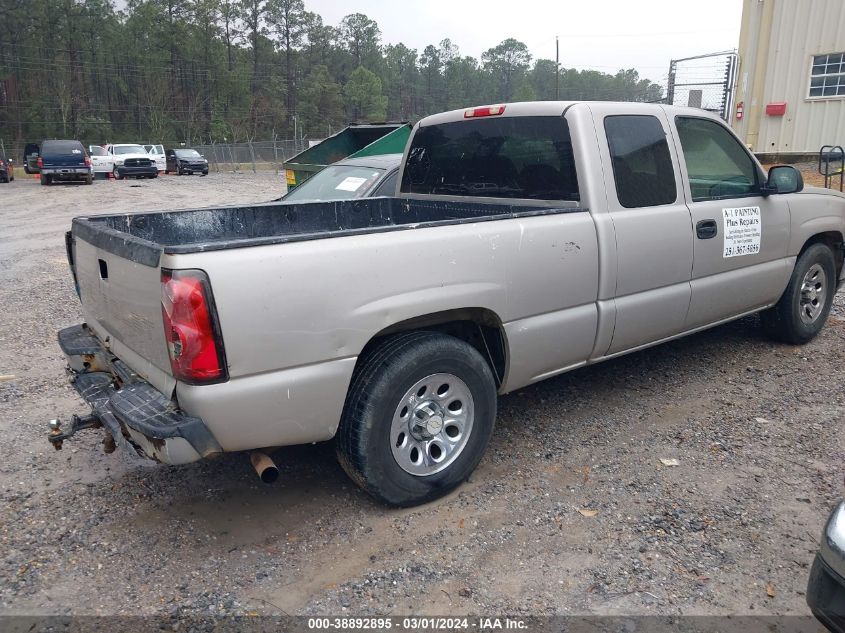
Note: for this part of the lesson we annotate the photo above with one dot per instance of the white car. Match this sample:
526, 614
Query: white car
157, 151
101, 161
131, 159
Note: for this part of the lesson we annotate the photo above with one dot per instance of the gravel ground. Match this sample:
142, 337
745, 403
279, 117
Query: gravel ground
571, 511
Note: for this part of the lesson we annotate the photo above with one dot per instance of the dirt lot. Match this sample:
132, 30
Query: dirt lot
571, 511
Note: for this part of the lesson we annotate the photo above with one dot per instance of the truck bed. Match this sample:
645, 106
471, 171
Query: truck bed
144, 237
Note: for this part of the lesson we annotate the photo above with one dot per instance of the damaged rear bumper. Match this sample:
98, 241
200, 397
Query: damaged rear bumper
129, 408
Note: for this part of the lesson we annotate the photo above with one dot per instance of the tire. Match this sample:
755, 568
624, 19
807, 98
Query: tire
375, 442
802, 310
205, 173
45, 180
89, 180
117, 175
155, 175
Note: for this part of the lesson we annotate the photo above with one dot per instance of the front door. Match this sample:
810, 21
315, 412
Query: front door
740, 236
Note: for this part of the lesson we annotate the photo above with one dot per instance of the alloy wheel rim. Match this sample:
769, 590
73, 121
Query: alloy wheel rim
813, 294
432, 424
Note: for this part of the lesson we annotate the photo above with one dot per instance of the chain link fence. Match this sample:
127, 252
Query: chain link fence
703, 81
255, 156
252, 156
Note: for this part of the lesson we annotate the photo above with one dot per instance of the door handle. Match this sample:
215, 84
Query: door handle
706, 229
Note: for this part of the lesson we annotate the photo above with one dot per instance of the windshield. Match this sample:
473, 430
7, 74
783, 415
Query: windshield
339, 182
128, 149
187, 153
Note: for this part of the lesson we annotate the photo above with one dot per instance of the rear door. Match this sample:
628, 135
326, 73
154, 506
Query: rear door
651, 223
741, 237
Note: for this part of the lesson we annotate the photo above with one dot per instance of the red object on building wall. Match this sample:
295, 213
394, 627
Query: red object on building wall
740, 109
776, 109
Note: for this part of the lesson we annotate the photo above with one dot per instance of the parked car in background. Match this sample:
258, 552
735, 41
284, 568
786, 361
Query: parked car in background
157, 152
101, 160
30, 158
131, 160
185, 161
351, 178
826, 588
64, 161
7, 169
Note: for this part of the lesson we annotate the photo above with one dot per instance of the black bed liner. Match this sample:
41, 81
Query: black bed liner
144, 237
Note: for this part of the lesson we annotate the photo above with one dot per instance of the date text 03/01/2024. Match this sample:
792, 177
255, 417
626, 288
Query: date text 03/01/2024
417, 623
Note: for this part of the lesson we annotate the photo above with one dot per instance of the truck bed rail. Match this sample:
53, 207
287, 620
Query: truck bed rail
144, 237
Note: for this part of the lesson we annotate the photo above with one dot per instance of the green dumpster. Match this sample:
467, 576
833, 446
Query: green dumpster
360, 139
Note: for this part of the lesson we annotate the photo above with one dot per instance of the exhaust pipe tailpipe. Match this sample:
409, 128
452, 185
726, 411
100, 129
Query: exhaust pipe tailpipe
266, 469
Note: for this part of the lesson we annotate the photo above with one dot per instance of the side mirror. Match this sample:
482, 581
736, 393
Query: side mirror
784, 179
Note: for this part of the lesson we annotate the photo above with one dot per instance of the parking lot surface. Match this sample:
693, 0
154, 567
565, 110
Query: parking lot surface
572, 510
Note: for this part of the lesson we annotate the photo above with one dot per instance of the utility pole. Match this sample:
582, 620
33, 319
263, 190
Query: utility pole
557, 68
670, 84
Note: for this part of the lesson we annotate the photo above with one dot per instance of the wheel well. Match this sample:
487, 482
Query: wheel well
833, 239
479, 327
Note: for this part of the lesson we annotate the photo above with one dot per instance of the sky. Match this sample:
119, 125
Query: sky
604, 35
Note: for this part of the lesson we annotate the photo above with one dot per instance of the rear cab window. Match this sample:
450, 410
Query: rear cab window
528, 157
62, 148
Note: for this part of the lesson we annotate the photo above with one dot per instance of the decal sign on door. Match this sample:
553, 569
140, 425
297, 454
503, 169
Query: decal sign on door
742, 230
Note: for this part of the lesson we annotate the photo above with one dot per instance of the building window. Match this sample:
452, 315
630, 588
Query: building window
827, 77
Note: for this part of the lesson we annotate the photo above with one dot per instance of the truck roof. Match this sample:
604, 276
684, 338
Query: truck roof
556, 108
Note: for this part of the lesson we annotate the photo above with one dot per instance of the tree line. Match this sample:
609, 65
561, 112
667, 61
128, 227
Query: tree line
209, 70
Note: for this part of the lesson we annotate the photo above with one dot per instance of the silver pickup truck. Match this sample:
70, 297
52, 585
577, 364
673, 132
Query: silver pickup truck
524, 240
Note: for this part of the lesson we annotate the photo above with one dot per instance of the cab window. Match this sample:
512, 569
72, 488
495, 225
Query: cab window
642, 164
718, 165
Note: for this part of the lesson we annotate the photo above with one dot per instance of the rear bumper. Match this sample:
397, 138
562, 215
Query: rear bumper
129, 408
67, 173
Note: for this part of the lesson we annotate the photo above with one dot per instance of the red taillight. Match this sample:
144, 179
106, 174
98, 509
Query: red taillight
87, 162
486, 111
190, 326
40, 162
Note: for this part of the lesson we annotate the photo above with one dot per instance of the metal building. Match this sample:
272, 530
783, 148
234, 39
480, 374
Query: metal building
790, 93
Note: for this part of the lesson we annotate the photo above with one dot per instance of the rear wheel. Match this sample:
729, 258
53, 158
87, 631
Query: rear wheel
801, 312
89, 180
418, 417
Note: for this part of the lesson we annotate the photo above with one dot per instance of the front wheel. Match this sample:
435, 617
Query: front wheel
418, 417
802, 310
117, 175
45, 180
